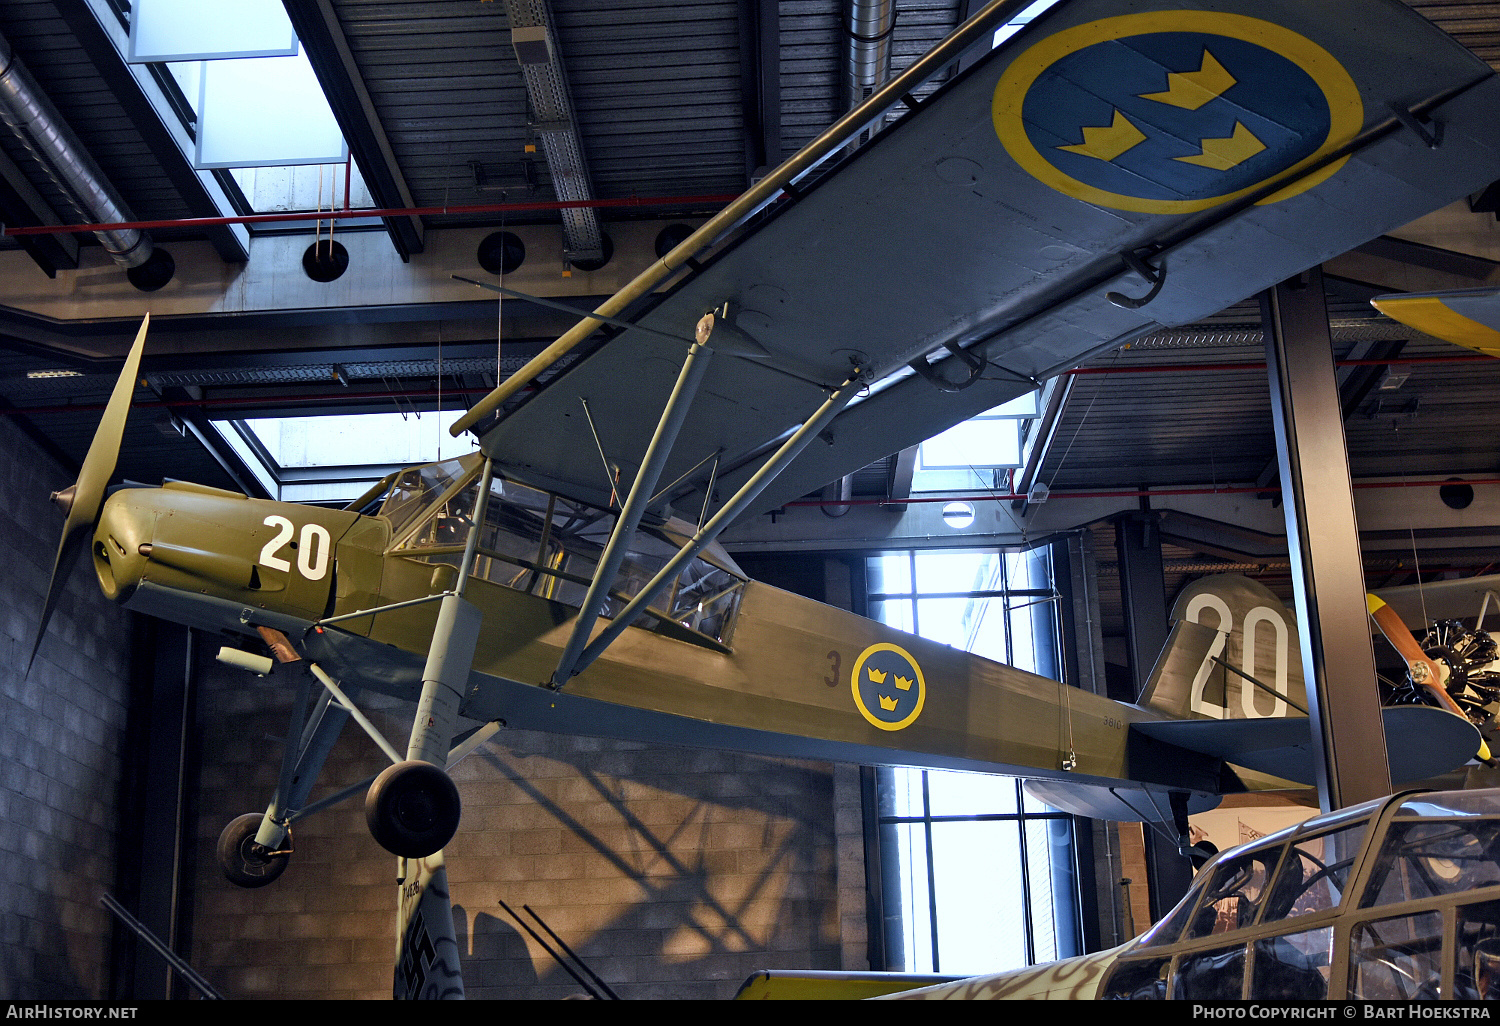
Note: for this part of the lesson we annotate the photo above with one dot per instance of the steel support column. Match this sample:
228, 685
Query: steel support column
1338, 661
1143, 594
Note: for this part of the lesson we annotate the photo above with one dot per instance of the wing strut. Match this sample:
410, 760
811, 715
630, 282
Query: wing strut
731, 509
672, 415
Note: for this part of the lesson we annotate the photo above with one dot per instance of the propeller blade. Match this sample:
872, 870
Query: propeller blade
93, 477
1402, 640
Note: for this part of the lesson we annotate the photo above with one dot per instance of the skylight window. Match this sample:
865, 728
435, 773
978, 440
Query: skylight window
180, 30
335, 458
967, 455
1020, 21
253, 98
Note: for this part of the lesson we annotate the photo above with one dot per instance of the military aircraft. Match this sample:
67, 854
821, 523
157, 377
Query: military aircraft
1394, 899
995, 234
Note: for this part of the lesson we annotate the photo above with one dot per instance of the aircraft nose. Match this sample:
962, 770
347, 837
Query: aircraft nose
123, 529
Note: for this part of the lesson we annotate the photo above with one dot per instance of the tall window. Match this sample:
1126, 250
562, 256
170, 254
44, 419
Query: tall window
984, 876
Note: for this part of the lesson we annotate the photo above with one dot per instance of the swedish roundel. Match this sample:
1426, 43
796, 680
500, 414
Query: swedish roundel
888, 686
1174, 111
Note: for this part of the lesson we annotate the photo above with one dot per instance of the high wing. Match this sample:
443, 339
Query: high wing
1217, 148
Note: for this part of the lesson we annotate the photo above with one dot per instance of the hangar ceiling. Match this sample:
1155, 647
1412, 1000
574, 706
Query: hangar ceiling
669, 109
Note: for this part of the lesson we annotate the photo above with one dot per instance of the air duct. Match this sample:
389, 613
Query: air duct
30, 115
871, 23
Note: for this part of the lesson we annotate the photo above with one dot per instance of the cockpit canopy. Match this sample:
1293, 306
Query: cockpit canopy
1405, 891
546, 545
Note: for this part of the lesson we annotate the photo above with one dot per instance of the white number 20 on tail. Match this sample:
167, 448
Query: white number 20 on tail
312, 548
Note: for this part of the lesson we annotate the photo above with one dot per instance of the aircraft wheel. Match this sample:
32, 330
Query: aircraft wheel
412, 809
244, 862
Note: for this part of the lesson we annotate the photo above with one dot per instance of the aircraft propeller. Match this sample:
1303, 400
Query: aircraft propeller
1424, 671
82, 500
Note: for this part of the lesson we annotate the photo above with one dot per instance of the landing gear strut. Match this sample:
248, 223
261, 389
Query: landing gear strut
244, 862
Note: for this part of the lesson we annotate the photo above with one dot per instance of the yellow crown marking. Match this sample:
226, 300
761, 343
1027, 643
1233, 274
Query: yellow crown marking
878, 676
1106, 142
904, 683
1230, 151
1192, 89
887, 704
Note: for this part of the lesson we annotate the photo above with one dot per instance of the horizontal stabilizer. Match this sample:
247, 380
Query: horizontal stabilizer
1421, 742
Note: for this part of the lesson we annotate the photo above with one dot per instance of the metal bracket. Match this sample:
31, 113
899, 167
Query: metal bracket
973, 361
1429, 131
1155, 276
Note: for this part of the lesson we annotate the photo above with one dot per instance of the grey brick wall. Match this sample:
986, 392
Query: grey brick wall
675, 873
61, 730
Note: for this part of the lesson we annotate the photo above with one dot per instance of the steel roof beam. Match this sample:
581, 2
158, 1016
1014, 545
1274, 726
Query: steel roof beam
100, 33
327, 48
760, 84
19, 201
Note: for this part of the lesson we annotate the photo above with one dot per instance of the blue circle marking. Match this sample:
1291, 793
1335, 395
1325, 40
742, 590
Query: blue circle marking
888, 686
1278, 104
1176, 111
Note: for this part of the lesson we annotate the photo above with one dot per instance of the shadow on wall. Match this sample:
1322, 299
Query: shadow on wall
672, 872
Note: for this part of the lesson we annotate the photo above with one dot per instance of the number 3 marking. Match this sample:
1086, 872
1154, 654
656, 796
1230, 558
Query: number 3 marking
312, 549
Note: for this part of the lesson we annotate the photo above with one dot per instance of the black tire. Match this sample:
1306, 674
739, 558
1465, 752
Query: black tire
244, 862
1200, 853
412, 809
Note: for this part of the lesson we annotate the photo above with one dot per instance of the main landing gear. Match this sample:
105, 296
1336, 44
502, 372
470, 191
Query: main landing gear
412, 809
245, 862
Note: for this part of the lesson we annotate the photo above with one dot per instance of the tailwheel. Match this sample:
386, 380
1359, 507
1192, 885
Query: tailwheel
244, 862
412, 809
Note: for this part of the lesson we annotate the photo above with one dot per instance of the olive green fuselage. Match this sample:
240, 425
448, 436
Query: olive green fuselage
795, 677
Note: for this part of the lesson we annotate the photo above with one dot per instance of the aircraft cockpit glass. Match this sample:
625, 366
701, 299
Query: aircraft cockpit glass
548, 546
1423, 858
1397, 958
1293, 966
1170, 928
1214, 975
1234, 893
1312, 876
1142, 980
414, 490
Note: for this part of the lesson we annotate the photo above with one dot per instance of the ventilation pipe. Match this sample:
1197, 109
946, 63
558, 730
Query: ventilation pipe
871, 23
35, 122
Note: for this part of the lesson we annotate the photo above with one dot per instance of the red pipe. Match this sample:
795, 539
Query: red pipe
318, 215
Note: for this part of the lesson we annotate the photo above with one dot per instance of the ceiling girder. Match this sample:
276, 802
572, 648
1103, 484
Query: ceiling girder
99, 32
317, 26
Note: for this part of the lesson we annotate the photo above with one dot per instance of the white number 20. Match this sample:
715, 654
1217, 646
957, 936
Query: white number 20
312, 548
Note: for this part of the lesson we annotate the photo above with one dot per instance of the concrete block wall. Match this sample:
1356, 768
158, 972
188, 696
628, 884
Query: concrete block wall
674, 872
61, 732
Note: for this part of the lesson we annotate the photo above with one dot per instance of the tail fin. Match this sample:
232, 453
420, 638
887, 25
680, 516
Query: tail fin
1233, 655
427, 964
1173, 685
